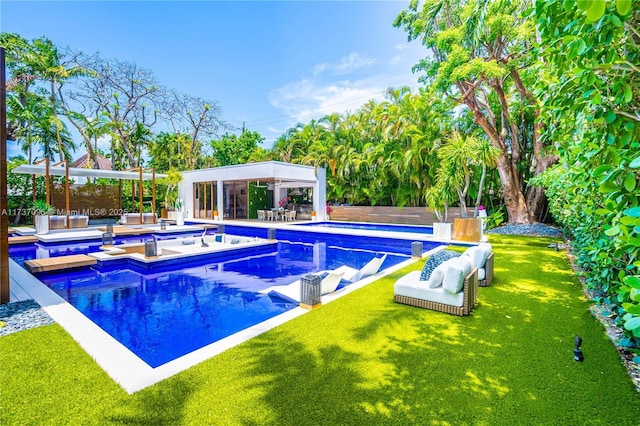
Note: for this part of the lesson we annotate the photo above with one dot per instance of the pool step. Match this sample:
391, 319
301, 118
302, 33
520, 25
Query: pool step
61, 262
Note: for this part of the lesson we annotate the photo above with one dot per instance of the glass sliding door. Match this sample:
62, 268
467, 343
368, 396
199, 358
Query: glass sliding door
235, 200
204, 200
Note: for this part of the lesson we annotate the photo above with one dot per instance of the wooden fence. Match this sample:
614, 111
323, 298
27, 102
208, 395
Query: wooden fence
384, 214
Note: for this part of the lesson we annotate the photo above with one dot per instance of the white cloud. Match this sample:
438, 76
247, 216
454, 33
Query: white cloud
352, 62
307, 99
345, 65
327, 90
402, 46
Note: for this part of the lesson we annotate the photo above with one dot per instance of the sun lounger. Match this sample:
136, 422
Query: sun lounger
371, 268
293, 291
330, 281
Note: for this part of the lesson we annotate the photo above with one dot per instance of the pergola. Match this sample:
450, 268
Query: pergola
44, 168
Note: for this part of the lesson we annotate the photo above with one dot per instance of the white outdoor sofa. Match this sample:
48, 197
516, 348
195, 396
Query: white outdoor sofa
452, 286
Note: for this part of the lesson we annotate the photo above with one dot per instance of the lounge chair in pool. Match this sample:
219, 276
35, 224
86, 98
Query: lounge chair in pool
371, 268
292, 291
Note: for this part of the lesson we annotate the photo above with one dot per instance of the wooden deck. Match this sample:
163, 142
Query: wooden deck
125, 230
381, 214
57, 263
23, 239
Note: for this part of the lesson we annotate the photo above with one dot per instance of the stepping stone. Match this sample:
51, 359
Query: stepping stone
23, 239
61, 262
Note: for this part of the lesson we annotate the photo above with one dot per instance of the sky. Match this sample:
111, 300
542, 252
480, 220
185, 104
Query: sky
268, 64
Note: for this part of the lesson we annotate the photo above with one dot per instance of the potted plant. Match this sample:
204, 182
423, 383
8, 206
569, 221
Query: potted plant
177, 207
172, 181
438, 202
42, 211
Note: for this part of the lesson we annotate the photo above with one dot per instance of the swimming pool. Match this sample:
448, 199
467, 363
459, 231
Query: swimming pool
413, 229
163, 312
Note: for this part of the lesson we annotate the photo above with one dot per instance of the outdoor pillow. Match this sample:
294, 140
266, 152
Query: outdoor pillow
435, 280
466, 263
486, 247
218, 238
486, 250
434, 261
457, 270
476, 255
453, 278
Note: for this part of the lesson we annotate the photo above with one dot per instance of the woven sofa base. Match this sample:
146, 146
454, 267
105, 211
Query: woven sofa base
470, 289
434, 306
488, 267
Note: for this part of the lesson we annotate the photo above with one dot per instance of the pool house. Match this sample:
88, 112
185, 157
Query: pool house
240, 191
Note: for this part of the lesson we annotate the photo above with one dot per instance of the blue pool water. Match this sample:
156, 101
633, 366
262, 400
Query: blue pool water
163, 312
414, 229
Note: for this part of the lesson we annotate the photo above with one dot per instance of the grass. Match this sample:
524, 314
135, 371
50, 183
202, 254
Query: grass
363, 360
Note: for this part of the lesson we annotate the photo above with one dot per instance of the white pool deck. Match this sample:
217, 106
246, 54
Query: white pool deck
126, 368
93, 233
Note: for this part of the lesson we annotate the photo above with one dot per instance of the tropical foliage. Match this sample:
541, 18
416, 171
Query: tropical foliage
517, 96
591, 94
481, 58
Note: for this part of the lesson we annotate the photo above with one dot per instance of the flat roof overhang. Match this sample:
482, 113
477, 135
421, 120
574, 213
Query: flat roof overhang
284, 174
40, 169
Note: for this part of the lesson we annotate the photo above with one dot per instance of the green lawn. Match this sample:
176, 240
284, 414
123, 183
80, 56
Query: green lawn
363, 360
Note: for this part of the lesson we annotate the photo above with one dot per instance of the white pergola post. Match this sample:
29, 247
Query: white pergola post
320, 194
220, 199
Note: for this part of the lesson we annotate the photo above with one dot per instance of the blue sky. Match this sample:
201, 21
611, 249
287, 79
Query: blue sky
269, 64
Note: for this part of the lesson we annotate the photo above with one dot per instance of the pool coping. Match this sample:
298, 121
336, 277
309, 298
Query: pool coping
126, 368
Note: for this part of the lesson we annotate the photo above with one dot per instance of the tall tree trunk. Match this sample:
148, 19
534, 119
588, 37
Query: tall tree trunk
514, 200
536, 199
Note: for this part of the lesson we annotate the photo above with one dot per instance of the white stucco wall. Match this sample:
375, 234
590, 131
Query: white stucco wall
284, 175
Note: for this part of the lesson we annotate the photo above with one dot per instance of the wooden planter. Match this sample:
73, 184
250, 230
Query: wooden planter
467, 230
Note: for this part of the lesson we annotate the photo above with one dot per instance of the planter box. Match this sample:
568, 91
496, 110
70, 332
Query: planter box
467, 230
442, 230
42, 224
179, 218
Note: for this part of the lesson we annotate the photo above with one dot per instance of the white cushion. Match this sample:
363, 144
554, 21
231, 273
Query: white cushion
454, 276
486, 247
411, 286
437, 275
482, 273
466, 264
330, 283
477, 255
